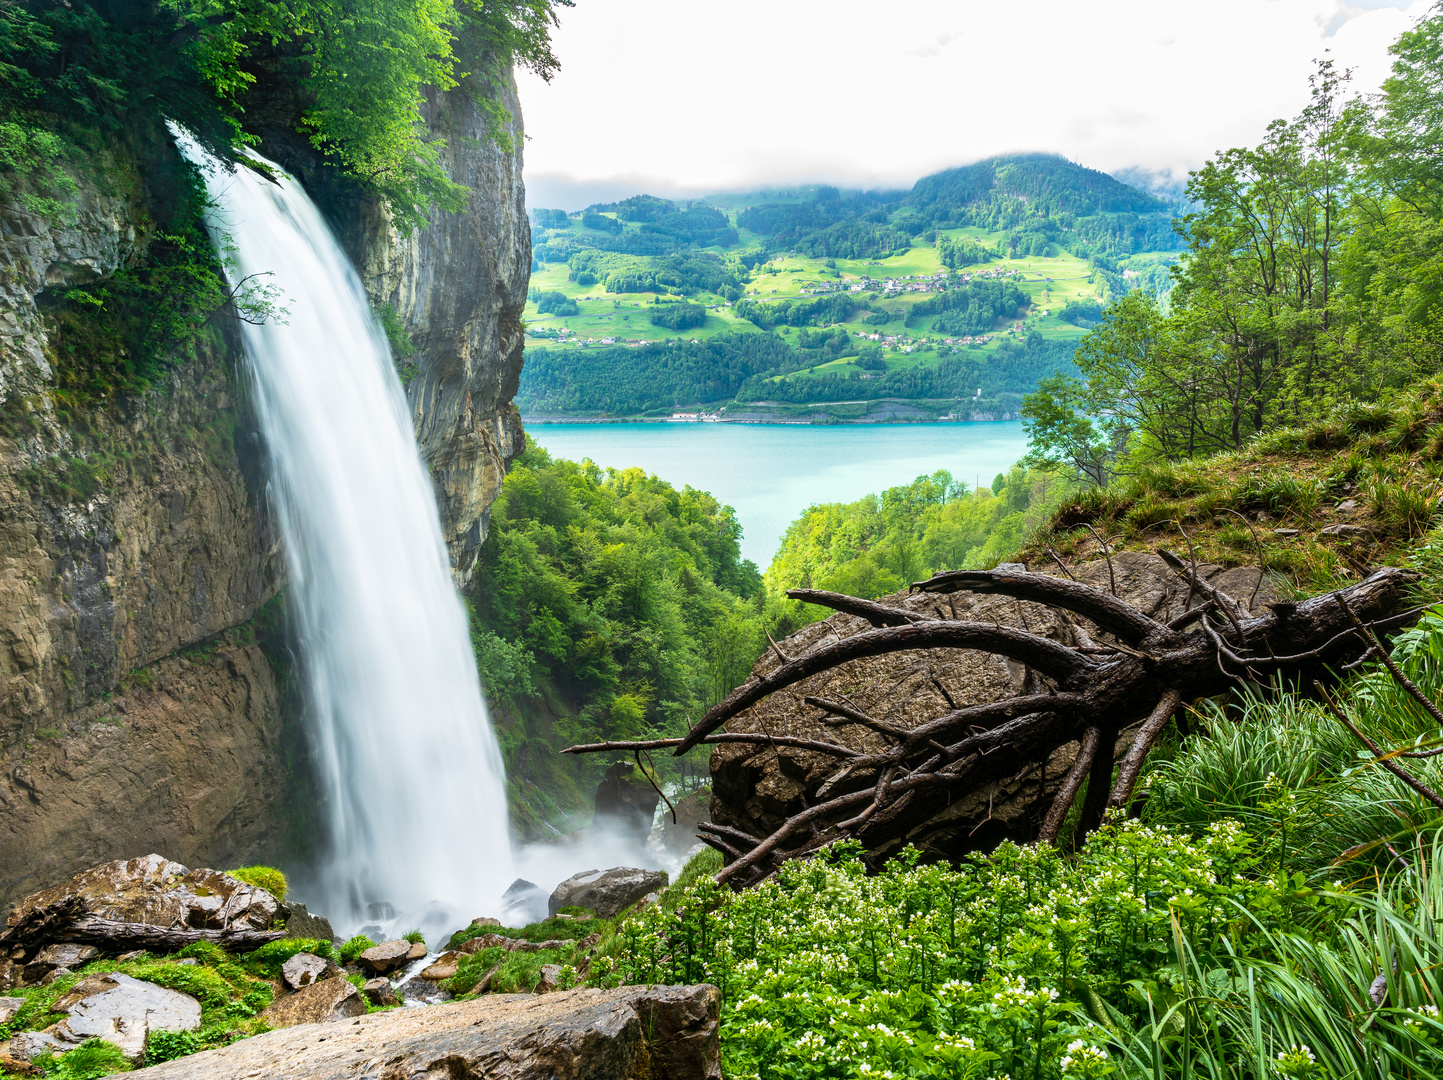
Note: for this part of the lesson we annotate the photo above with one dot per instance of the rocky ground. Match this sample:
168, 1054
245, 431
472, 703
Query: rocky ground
142, 962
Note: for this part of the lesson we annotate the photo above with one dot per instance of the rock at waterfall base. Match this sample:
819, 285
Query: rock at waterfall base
522, 903
608, 893
303, 969
665, 1032
443, 967
378, 992
319, 1003
300, 923
386, 957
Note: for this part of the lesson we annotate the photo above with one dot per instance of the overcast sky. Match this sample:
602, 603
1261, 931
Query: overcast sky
682, 96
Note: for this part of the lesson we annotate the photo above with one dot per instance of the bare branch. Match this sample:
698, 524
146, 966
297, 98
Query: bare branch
1131, 765
1091, 739
1406, 683
1383, 758
1116, 617
875, 613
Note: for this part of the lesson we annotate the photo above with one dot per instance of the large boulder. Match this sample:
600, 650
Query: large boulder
154, 890
663, 1032
319, 1003
125, 1012
755, 787
303, 969
386, 957
608, 893
626, 802
300, 923
523, 902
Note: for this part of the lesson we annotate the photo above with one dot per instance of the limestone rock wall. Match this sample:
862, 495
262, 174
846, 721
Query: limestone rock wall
128, 532
458, 286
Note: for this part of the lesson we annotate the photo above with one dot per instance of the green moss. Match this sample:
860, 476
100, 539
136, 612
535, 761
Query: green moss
268, 959
263, 877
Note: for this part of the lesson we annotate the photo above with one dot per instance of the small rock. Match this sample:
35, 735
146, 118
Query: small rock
589, 941
444, 966
484, 986
378, 992
1348, 504
12, 1066
71, 956
9, 1007
322, 1002
1347, 532
126, 1013
418, 950
486, 920
510, 944
550, 979
1285, 532
423, 992
608, 893
303, 969
385, 958
51, 976
29, 1045
126, 958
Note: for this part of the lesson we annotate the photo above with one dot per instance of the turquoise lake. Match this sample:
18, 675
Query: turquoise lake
770, 473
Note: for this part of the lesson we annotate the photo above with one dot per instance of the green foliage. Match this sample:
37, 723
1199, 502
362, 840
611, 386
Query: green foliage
268, 960
882, 543
169, 1045
268, 878
415, 937
354, 947
677, 316
627, 602
1001, 965
90, 1060
625, 381
556, 303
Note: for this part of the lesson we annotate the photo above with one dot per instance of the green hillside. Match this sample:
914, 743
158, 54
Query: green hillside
979, 278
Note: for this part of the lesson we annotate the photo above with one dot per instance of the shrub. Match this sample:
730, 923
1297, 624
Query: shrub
415, 937
263, 877
88, 1061
270, 958
354, 948
169, 1045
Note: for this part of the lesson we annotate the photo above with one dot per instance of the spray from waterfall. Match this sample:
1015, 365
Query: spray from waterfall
414, 789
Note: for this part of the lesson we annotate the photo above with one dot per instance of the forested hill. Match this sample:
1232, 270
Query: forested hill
953, 298
1047, 183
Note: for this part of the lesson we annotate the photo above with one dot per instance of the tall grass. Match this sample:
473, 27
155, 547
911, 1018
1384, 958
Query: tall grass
1360, 1004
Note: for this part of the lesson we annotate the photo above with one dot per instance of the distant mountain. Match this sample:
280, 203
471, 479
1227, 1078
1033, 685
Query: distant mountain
1047, 183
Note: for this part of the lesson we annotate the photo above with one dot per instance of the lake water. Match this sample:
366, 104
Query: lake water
770, 473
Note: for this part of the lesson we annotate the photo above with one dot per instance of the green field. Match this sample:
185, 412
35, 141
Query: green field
623, 317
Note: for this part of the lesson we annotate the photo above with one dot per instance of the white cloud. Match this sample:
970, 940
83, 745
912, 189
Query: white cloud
701, 96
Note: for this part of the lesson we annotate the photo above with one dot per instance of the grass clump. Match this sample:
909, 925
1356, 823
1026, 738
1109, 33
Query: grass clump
415, 937
263, 877
90, 1060
354, 947
268, 960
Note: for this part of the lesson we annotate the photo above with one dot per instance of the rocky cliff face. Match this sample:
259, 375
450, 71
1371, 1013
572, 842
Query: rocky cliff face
458, 288
128, 531
137, 711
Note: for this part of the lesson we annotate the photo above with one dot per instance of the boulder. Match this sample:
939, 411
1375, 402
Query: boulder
443, 967
93, 984
608, 893
12, 1066
680, 836
756, 787
523, 902
378, 992
1346, 532
29, 1045
418, 951
9, 1006
319, 1003
127, 1011
550, 979
486, 920
300, 923
664, 1032
626, 802
53, 957
386, 957
303, 969
156, 891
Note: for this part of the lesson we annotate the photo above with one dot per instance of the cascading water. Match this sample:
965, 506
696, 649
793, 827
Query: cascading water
414, 786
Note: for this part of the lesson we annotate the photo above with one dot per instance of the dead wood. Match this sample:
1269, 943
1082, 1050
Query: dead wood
1126, 667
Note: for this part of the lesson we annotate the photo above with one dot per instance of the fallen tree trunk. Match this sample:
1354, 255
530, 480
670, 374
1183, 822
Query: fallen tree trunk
116, 936
1130, 667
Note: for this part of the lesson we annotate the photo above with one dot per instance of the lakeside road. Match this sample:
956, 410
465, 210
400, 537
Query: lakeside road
770, 472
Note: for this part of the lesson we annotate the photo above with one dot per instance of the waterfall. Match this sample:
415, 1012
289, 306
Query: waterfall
414, 789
